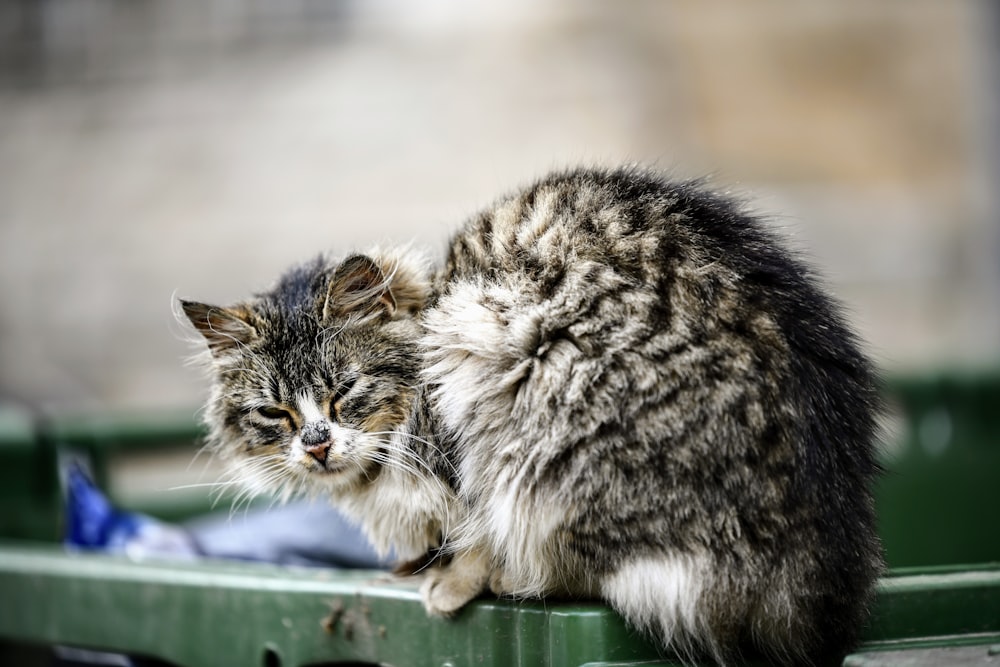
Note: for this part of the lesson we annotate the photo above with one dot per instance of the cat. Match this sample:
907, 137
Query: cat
616, 386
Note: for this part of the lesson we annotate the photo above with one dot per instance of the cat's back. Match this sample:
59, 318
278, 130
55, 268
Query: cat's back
545, 280
575, 240
595, 287
567, 219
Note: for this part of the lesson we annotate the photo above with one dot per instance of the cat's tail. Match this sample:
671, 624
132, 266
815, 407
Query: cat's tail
692, 608
663, 597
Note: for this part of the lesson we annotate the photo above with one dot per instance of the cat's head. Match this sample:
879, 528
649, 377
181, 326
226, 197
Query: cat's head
311, 378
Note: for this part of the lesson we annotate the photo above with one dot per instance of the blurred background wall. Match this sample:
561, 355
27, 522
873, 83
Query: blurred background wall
158, 149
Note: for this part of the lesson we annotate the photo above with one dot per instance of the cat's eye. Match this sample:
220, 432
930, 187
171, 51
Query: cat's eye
339, 393
271, 412
344, 388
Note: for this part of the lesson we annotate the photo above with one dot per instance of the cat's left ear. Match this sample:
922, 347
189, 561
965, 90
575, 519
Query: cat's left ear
224, 329
358, 286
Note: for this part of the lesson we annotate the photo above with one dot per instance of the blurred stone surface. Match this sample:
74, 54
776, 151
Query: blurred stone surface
197, 148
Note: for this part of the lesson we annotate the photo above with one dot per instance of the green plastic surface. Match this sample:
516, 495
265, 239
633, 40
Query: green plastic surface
29, 488
213, 613
942, 472
239, 614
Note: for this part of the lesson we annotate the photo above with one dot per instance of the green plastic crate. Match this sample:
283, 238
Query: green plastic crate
211, 613
942, 471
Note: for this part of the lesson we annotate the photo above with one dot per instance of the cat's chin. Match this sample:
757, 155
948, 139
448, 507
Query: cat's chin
340, 475
328, 469
338, 470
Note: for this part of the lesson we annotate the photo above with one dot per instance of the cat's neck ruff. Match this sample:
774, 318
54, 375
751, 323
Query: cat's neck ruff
406, 508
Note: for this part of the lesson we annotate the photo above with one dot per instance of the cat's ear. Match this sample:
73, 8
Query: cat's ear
223, 328
358, 286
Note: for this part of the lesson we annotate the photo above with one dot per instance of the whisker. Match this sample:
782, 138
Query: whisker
202, 485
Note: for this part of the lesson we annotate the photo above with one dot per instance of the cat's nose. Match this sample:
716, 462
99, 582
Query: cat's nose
318, 452
316, 439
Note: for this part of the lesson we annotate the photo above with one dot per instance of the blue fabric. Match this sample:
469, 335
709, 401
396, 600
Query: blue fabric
300, 533
91, 521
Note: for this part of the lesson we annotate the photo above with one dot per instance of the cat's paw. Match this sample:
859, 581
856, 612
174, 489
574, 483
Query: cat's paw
445, 591
500, 584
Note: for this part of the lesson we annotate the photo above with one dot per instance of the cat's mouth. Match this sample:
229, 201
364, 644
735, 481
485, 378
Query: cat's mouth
334, 467
328, 467
362, 468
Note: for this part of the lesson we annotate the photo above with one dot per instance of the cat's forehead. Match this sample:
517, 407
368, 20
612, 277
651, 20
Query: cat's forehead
283, 331
296, 342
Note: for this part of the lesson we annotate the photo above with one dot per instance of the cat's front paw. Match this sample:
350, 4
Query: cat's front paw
447, 589
443, 595
500, 583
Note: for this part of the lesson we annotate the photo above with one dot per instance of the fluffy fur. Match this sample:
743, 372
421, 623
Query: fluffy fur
614, 386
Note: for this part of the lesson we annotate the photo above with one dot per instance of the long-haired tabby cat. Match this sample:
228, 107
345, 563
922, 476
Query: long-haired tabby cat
616, 386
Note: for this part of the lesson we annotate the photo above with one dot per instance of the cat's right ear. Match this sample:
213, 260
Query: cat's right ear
358, 286
223, 328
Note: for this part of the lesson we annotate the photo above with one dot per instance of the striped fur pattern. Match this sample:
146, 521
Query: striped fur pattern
614, 386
